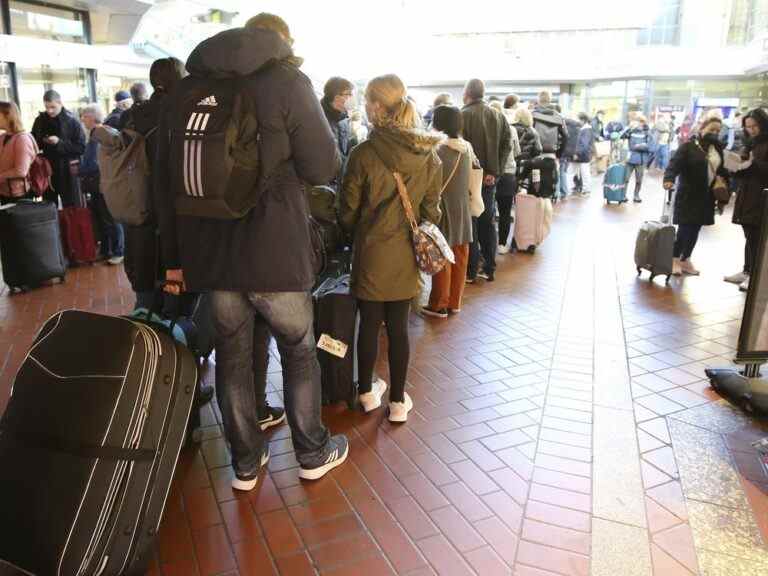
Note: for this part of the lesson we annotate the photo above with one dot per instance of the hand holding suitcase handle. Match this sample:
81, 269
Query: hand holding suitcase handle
174, 282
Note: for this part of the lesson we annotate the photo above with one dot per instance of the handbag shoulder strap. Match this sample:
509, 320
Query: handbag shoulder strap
453, 173
402, 191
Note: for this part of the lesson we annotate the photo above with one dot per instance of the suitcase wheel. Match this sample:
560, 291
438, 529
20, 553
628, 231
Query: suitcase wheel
531, 249
639, 271
652, 276
667, 280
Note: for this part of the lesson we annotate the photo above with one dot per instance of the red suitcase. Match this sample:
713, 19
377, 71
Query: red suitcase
77, 231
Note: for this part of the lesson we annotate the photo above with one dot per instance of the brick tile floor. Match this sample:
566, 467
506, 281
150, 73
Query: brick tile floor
562, 426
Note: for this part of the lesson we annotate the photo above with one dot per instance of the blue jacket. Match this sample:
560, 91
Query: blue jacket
585, 144
639, 144
89, 165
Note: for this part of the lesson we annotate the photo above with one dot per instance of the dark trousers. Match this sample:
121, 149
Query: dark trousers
474, 252
112, 235
395, 316
487, 239
505, 198
288, 316
751, 246
685, 240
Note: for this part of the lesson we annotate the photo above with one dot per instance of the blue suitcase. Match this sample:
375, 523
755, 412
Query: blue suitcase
615, 184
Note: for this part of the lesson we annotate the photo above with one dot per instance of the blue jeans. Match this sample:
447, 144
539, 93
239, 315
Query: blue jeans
564, 177
289, 317
662, 156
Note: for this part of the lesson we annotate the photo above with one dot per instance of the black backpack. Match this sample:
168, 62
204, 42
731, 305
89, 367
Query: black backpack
214, 149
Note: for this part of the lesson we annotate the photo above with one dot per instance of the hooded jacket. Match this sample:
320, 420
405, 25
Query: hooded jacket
384, 265
456, 221
573, 128
269, 249
639, 137
545, 121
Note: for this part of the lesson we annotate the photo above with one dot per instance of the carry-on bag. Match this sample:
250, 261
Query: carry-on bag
89, 444
30, 244
615, 184
336, 334
533, 220
77, 230
655, 244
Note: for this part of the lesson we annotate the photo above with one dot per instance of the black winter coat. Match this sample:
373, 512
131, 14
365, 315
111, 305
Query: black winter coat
694, 201
572, 143
530, 145
752, 181
269, 249
71, 146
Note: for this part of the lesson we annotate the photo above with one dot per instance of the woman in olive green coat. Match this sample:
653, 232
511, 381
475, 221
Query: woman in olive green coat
384, 273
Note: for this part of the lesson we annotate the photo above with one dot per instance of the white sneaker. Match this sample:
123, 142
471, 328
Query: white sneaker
677, 269
688, 268
398, 411
372, 400
116, 260
744, 286
502, 250
248, 483
737, 278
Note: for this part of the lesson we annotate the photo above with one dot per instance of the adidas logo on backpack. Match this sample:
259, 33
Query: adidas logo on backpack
208, 101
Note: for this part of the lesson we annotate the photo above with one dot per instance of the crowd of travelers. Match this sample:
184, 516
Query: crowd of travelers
462, 165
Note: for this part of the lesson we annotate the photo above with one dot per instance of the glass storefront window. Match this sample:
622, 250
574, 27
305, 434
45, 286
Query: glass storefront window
6, 85
46, 22
71, 83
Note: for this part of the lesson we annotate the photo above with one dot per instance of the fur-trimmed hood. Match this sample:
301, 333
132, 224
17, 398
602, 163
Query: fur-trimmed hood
405, 149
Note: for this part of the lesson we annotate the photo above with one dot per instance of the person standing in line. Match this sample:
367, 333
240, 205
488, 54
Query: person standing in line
442, 99
554, 137
582, 158
139, 92
662, 136
507, 186
696, 166
123, 103
598, 125
639, 136
573, 127
752, 180
17, 152
61, 138
262, 263
337, 102
384, 273
489, 134
456, 223
112, 237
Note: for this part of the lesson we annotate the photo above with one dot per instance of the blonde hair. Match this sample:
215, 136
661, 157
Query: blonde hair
272, 22
389, 92
523, 116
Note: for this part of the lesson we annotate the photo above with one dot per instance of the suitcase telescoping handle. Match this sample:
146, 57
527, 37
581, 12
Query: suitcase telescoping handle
668, 206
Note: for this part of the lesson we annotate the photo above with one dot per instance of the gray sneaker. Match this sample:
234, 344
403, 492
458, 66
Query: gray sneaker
248, 483
337, 454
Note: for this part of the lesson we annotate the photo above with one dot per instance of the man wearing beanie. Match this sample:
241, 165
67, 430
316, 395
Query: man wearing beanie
123, 102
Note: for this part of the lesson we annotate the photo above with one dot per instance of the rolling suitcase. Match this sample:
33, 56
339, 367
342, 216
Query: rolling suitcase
615, 184
336, 334
655, 245
533, 220
30, 244
87, 499
77, 232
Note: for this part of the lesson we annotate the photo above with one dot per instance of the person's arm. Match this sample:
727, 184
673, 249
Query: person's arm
675, 167
314, 152
23, 153
163, 200
515, 142
89, 165
564, 138
430, 205
505, 144
350, 198
74, 145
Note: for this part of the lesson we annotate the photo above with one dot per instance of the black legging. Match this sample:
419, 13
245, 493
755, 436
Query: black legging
395, 316
752, 235
505, 198
685, 241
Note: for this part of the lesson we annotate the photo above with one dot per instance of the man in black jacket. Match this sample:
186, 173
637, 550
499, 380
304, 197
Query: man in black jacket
336, 103
61, 138
260, 264
489, 133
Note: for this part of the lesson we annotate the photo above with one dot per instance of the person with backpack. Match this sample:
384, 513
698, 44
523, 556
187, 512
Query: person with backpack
639, 137
17, 153
61, 138
573, 128
384, 273
458, 158
112, 236
123, 103
582, 158
241, 136
489, 134
553, 133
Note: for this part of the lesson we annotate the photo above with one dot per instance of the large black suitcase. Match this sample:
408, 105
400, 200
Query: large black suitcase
30, 244
336, 319
89, 444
